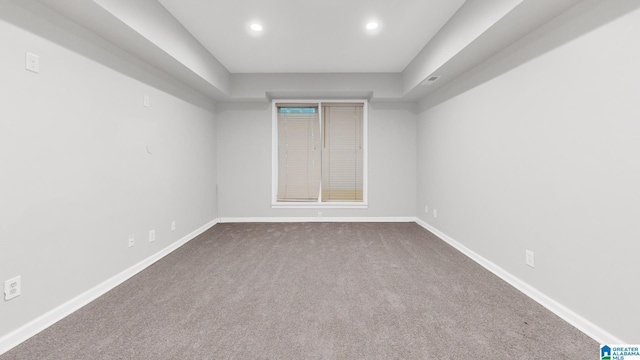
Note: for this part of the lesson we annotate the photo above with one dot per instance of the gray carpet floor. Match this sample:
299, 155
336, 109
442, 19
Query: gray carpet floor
312, 291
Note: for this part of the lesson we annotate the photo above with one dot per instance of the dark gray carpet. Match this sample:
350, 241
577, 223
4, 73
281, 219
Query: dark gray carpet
312, 291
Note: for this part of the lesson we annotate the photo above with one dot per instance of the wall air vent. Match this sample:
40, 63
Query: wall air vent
430, 80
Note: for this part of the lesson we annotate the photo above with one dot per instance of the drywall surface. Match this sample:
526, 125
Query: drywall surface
472, 19
252, 87
544, 156
84, 164
150, 19
244, 163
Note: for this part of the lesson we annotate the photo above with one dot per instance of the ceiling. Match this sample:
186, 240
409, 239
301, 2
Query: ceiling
309, 48
313, 36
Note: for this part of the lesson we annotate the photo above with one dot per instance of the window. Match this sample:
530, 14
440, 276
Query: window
319, 154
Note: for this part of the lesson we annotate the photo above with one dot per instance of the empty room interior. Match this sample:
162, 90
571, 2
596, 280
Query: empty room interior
319, 179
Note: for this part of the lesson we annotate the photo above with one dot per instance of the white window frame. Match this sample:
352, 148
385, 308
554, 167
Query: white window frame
364, 204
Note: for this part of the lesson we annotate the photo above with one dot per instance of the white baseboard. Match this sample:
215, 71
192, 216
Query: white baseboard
30, 329
35, 326
316, 219
596, 333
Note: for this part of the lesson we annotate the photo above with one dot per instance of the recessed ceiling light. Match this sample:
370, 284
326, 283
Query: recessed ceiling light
256, 27
372, 25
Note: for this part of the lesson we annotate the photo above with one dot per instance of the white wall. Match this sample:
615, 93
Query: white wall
244, 163
545, 156
535, 149
76, 178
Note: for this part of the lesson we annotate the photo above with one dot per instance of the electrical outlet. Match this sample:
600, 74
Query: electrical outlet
152, 235
426, 209
132, 240
146, 101
32, 63
173, 226
529, 258
12, 288
435, 213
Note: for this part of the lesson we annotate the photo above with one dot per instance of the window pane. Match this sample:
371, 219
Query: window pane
342, 152
298, 110
298, 154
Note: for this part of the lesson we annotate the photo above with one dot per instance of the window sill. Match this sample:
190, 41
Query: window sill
344, 205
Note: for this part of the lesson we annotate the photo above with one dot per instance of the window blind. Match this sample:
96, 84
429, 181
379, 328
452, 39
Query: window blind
342, 152
299, 153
